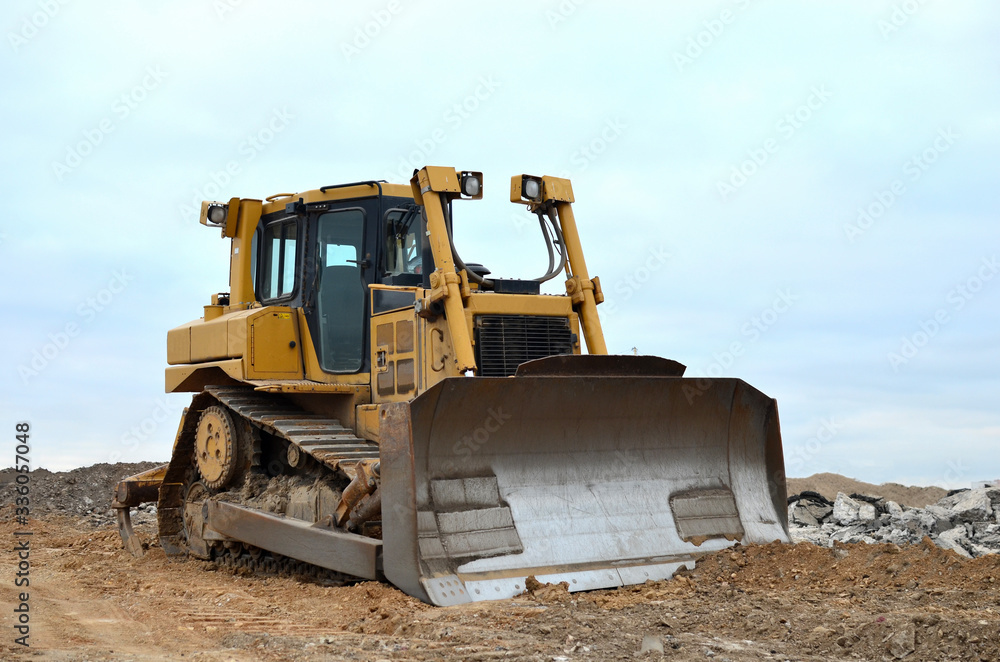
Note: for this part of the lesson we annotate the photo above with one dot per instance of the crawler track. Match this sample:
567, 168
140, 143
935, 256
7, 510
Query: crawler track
325, 439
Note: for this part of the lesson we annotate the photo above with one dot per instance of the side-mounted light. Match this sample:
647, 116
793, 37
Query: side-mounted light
221, 215
472, 184
217, 214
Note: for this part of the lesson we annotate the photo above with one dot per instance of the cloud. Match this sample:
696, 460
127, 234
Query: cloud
563, 74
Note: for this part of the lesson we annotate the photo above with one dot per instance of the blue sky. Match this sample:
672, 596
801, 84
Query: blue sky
803, 195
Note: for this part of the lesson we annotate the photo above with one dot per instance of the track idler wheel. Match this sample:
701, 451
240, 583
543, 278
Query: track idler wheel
217, 448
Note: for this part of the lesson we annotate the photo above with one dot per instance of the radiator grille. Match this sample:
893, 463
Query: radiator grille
504, 342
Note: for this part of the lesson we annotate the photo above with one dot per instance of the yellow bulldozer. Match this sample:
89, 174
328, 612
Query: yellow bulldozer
368, 405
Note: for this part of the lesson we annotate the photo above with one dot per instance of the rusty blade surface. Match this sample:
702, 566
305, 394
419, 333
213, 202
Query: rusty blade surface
596, 481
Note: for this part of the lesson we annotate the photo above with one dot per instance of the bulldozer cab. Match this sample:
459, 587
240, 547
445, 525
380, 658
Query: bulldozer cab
323, 258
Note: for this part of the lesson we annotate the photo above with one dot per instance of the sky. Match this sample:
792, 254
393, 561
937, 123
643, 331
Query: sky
801, 195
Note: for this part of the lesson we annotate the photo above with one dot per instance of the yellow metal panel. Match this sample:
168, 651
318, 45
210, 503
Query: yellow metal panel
368, 422
518, 304
395, 336
274, 347
194, 378
557, 188
209, 340
179, 345
237, 334
488, 303
301, 386
442, 180
240, 283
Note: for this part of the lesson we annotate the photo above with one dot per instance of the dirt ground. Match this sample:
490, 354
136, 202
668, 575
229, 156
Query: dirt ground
91, 601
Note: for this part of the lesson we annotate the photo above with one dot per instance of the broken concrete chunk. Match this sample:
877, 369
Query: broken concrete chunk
967, 521
952, 539
971, 506
810, 534
845, 510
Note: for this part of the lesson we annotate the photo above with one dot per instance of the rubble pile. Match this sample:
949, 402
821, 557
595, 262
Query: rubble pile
84, 493
966, 521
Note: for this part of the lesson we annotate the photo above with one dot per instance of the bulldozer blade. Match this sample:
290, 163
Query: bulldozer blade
596, 481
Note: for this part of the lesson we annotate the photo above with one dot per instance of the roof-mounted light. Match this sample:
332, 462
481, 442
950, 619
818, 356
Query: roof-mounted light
532, 189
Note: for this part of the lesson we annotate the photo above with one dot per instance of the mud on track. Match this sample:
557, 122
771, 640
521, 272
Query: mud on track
91, 601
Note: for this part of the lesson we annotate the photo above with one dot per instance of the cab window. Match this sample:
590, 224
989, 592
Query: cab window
278, 260
402, 242
340, 301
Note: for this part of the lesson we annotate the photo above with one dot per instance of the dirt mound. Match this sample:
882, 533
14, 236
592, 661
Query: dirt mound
84, 491
830, 484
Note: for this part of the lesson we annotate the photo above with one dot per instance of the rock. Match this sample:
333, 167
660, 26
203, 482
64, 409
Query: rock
952, 539
650, 644
867, 512
901, 537
810, 534
819, 511
808, 509
931, 520
903, 642
845, 510
799, 515
970, 506
851, 534
894, 509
